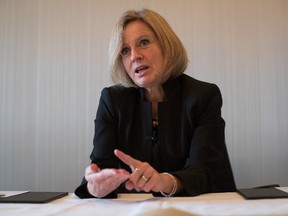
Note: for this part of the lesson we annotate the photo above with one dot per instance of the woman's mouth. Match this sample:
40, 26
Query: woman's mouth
140, 69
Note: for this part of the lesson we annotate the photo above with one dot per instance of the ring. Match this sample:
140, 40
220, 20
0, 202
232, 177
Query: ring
144, 178
139, 172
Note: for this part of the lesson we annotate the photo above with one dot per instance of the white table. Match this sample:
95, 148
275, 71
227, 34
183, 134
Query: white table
145, 204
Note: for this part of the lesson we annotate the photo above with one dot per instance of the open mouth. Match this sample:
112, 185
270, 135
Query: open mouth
140, 69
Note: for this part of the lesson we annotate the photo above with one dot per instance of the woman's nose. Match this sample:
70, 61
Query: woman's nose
136, 55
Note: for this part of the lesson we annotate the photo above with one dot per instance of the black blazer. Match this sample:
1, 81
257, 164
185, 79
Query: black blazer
191, 142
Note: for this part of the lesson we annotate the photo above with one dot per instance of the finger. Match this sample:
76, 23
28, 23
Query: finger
94, 167
103, 182
151, 184
127, 159
144, 179
108, 175
112, 179
129, 185
141, 172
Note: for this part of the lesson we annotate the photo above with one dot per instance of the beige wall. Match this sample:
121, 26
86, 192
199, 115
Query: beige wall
53, 57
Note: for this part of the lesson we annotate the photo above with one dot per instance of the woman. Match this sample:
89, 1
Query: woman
157, 130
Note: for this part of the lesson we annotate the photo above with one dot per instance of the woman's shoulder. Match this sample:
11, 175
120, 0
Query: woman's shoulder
189, 80
202, 92
195, 86
119, 93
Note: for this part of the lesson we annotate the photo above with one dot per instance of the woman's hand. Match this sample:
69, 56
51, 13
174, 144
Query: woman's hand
144, 177
102, 182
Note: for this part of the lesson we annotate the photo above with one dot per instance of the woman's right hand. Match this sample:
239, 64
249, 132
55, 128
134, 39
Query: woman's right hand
102, 182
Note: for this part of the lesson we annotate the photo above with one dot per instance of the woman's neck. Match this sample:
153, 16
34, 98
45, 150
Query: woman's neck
155, 95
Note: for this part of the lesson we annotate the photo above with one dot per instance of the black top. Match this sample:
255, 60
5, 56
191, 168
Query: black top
191, 141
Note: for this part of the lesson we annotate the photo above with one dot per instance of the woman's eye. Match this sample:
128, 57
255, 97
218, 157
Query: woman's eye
125, 51
144, 42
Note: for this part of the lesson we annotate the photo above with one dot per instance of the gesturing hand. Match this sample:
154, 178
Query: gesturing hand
102, 182
143, 177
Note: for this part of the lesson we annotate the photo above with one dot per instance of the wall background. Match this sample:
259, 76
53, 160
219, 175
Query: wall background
53, 65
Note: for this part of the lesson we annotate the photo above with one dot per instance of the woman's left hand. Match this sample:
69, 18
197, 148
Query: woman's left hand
143, 177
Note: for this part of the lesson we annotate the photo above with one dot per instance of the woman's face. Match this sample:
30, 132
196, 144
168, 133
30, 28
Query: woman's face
142, 55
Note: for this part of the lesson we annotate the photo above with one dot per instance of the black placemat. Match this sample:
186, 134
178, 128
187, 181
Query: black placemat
33, 197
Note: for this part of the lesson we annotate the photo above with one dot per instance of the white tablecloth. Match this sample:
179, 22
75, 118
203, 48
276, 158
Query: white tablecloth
145, 204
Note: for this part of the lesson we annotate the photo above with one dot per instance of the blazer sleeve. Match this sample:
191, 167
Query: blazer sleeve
104, 141
208, 156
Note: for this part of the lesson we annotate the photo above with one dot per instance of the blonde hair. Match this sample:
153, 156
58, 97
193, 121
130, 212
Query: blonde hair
173, 50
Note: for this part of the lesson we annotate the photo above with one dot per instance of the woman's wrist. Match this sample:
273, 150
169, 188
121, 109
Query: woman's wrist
174, 187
